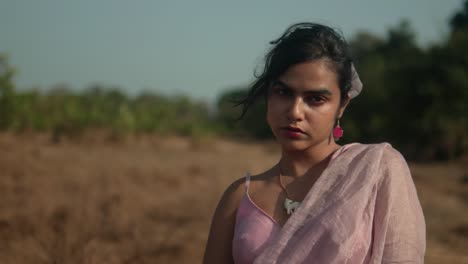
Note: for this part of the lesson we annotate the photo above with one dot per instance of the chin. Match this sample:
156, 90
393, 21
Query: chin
294, 145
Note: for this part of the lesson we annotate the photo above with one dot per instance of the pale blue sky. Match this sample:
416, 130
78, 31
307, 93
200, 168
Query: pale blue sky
199, 48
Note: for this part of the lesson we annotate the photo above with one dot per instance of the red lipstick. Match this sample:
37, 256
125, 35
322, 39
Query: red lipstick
292, 132
295, 129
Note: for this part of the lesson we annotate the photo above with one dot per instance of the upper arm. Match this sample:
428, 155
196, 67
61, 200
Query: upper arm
400, 219
219, 245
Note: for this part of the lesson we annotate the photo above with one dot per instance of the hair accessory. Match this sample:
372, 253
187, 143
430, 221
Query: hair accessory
356, 84
289, 204
337, 131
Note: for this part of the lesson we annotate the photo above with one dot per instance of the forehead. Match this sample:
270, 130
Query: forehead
311, 75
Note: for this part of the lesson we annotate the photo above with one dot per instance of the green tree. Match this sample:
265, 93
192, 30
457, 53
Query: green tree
459, 20
7, 93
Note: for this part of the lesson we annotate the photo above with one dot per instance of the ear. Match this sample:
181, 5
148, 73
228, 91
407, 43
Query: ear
343, 107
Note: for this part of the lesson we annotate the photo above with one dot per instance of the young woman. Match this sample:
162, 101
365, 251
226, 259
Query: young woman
322, 202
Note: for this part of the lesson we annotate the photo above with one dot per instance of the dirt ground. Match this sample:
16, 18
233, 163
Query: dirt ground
150, 199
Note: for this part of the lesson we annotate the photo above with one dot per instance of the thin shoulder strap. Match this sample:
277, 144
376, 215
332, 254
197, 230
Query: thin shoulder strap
247, 181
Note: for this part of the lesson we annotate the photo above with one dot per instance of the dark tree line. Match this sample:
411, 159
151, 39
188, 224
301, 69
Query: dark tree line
416, 98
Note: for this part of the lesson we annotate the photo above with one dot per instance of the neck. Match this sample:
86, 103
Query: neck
298, 163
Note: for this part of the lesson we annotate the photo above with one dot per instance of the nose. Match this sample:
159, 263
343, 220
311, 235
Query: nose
295, 110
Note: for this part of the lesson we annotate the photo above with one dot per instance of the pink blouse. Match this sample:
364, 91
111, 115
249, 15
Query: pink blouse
254, 227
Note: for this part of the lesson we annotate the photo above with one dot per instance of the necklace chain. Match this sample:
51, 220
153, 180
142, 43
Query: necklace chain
281, 183
289, 204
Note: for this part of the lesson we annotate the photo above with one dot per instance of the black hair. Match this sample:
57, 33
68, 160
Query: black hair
300, 43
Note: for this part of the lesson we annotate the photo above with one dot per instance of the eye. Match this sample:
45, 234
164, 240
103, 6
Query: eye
280, 90
315, 99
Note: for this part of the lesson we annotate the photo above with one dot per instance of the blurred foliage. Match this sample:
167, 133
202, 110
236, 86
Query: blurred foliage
416, 98
7, 94
251, 125
67, 113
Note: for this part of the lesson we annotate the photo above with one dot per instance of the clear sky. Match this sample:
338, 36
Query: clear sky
198, 48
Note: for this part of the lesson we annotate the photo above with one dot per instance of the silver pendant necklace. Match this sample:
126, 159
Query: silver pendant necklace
289, 205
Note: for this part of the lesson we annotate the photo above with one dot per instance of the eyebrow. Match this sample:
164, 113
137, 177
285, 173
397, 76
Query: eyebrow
319, 91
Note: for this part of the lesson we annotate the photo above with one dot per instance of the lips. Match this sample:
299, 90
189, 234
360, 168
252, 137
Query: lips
294, 129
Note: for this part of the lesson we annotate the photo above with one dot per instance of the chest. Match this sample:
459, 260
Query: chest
270, 198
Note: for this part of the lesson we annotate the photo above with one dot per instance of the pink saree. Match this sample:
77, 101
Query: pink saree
363, 209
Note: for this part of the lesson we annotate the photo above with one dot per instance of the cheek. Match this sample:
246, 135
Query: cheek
326, 112
271, 112
275, 105
321, 118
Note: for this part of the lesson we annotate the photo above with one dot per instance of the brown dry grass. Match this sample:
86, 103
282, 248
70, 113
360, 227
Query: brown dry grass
150, 199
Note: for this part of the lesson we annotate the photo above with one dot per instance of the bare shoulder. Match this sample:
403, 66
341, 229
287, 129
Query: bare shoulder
234, 192
219, 244
232, 195
262, 179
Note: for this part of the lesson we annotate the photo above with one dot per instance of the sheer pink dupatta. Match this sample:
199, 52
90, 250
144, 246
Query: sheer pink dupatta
363, 209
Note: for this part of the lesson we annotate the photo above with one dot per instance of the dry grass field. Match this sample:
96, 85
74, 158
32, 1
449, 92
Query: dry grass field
150, 199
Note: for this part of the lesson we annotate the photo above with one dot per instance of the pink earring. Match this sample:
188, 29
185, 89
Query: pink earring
337, 131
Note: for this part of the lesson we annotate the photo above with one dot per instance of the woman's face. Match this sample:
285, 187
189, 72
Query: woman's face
303, 105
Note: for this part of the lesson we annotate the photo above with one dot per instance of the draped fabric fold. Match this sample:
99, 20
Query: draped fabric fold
363, 209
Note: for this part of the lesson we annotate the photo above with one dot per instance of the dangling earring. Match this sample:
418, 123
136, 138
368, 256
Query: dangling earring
337, 131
